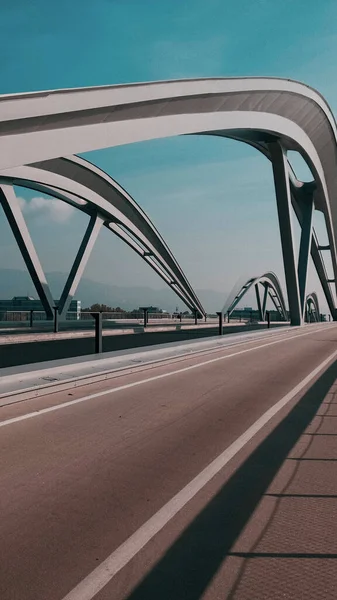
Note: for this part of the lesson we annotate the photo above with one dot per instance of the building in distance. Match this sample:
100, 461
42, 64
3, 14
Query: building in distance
21, 304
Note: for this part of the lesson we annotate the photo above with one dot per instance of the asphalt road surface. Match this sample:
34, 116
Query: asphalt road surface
208, 477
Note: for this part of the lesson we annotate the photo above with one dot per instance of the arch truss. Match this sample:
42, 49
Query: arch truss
312, 308
270, 286
92, 191
272, 115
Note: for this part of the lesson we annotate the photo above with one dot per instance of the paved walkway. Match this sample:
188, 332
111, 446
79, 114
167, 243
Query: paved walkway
288, 548
40, 378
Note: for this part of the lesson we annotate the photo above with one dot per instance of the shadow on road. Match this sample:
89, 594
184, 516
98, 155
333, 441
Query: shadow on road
189, 565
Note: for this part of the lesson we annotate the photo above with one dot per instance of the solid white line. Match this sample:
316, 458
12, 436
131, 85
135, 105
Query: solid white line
38, 413
15, 396
60, 385
102, 575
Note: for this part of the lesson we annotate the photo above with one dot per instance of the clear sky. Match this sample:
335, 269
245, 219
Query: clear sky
212, 199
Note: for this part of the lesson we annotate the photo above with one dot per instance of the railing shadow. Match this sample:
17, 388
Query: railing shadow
188, 566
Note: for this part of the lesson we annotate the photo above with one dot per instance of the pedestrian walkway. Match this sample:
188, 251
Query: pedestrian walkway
289, 547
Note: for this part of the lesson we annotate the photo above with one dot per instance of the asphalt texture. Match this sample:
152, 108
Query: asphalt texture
77, 482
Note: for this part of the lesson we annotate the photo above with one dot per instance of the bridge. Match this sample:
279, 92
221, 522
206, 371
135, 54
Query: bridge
203, 468
272, 115
271, 287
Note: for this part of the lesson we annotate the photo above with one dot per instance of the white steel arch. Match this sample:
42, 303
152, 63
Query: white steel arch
83, 185
272, 288
312, 307
273, 115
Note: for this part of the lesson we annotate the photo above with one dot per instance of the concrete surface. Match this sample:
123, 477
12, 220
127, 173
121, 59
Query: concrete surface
37, 347
25, 381
79, 480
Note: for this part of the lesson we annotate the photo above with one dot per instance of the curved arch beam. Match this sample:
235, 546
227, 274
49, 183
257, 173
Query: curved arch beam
259, 111
312, 306
299, 195
126, 213
271, 286
83, 185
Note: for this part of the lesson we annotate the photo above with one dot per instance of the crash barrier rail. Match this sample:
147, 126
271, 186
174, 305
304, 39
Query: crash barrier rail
99, 318
32, 316
138, 320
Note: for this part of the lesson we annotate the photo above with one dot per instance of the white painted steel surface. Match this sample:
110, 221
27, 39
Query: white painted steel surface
262, 112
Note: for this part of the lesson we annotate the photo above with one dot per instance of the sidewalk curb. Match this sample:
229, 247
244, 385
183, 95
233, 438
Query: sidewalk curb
52, 386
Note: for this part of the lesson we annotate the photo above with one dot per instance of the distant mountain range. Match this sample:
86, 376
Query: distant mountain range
18, 283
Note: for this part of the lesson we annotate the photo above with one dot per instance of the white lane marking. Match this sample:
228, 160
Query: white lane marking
186, 351
59, 385
43, 411
102, 575
247, 338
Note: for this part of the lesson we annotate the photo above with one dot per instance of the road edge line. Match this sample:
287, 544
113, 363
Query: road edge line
119, 558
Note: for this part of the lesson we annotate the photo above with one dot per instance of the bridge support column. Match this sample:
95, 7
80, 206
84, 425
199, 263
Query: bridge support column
80, 263
307, 206
316, 256
220, 315
264, 302
284, 207
20, 231
258, 300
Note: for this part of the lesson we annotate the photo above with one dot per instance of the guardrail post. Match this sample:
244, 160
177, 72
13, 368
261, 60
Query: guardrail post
56, 319
98, 332
146, 316
31, 318
268, 319
220, 323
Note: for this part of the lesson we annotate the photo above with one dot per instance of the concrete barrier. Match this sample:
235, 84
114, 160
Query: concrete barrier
13, 354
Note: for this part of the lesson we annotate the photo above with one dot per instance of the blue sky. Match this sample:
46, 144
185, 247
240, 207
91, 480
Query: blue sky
212, 199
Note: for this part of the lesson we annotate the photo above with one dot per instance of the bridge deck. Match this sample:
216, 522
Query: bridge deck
209, 478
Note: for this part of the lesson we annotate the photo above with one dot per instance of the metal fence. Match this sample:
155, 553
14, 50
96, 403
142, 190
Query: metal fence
135, 315
39, 317
24, 316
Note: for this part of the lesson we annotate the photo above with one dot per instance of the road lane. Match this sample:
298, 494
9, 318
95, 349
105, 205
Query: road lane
78, 482
191, 359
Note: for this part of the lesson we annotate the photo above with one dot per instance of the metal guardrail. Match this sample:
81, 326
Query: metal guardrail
31, 316
40, 315
141, 319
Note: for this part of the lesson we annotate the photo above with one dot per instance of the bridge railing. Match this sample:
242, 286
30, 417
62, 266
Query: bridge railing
38, 318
